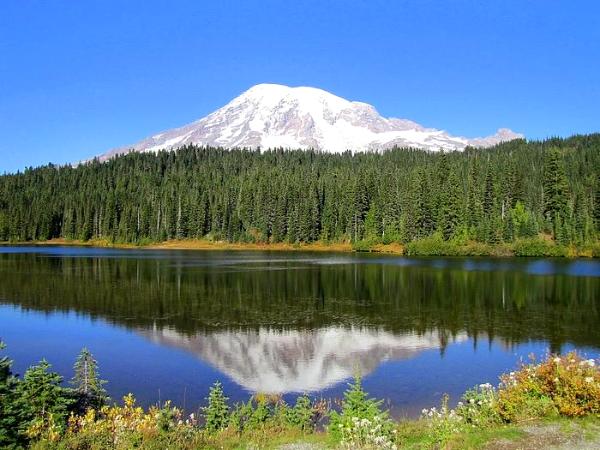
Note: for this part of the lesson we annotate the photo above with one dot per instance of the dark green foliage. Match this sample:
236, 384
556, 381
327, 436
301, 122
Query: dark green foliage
304, 415
216, 414
36, 403
9, 414
251, 414
596, 204
356, 405
40, 398
556, 193
5, 367
303, 196
264, 411
87, 384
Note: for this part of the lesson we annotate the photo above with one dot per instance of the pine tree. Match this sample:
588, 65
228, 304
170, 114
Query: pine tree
474, 207
424, 214
488, 196
9, 411
360, 208
597, 204
373, 223
451, 213
357, 405
5, 367
40, 398
88, 387
302, 414
555, 191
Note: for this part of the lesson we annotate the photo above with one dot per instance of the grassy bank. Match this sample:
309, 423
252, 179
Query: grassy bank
551, 403
195, 244
430, 246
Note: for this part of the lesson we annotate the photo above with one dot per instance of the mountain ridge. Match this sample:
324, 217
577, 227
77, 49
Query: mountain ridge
273, 116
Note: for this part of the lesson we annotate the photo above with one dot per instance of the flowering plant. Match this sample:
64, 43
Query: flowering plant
568, 385
479, 405
443, 422
367, 434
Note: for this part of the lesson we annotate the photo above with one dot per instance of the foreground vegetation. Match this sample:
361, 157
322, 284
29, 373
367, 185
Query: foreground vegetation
37, 411
524, 198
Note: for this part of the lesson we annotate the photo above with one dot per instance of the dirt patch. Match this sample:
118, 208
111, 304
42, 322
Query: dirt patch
552, 437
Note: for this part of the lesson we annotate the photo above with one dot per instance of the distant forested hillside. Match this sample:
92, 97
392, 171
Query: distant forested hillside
515, 190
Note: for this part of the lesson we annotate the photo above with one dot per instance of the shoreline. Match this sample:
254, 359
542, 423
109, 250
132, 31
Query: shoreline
530, 248
200, 244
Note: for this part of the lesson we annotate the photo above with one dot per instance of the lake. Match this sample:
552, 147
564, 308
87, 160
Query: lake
167, 324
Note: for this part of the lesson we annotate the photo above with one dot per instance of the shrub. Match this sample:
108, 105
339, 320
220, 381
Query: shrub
258, 412
305, 415
367, 434
479, 406
538, 247
357, 406
129, 426
567, 385
442, 424
365, 245
435, 245
430, 246
216, 414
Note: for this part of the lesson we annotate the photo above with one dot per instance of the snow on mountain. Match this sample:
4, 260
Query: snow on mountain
272, 115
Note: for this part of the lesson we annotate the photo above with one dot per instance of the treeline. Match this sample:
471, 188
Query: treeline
515, 190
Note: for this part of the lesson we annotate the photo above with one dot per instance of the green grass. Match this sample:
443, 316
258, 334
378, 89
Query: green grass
414, 435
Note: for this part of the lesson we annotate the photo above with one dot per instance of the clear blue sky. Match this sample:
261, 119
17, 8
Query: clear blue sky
80, 77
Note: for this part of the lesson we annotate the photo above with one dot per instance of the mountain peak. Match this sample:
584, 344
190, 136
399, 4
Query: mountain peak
274, 115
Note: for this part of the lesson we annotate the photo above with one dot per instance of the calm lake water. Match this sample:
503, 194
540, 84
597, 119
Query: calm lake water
167, 324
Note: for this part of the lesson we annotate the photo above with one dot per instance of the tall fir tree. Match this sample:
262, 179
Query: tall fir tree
556, 191
86, 382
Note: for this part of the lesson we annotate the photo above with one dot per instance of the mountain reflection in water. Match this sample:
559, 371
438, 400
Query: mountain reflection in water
278, 362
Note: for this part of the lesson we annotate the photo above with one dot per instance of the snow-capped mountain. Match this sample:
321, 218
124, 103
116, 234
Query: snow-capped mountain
272, 115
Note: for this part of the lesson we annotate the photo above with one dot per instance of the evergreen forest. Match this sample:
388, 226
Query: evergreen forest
548, 190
